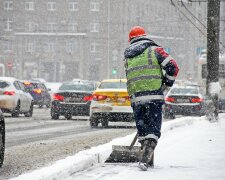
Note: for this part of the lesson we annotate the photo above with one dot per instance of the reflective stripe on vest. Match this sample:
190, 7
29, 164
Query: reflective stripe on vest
166, 61
143, 72
172, 78
147, 98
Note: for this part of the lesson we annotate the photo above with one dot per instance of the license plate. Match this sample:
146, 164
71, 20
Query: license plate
73, 99
183, 100
121, 100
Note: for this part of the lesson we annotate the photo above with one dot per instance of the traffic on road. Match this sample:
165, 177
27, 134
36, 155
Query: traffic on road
69, 122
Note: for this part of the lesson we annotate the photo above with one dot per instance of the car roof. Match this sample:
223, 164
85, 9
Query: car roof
114, 80
10, 79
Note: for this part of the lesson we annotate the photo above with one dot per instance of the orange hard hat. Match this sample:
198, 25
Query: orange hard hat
136, 31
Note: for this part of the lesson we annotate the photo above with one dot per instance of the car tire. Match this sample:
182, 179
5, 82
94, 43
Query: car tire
54, 115
16, 112
2, 139
68, 116
48, 105
30, 112
93, 122
40, 105
105, 123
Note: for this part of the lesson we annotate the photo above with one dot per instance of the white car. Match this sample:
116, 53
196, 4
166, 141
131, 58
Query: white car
13, 97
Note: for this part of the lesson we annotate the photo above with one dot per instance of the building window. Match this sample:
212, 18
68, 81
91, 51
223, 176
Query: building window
49, 47
51, 27
8, 25
94, 6
72, 27
8, 45
31, 27
8, 5
73, 6
30, 47
29, 6
70, 46
94, 27
51, 5
93, 47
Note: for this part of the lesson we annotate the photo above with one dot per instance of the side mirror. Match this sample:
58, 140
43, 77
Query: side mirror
49, 89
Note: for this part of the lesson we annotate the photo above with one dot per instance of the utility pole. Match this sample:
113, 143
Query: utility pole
213, 24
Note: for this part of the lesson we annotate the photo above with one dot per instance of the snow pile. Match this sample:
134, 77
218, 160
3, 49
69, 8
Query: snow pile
85, 159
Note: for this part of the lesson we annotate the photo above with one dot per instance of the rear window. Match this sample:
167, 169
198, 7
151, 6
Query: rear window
184, 91
76, 87
28, 86
4, 84
113, 85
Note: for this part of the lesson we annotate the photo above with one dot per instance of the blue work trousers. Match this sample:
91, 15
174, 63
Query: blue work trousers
148, 117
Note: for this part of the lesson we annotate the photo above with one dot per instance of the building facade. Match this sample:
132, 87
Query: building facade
60, 40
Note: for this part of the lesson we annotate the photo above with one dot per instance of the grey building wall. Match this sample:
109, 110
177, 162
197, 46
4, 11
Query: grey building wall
94, 53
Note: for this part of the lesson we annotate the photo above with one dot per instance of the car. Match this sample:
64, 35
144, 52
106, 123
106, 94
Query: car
110, 102
72, 99
52, 87
2, 138
14, 98
39, 80
184, 100
95, 84
39, 92
221, 105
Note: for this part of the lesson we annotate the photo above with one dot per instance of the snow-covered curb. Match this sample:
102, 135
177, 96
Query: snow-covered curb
87, 158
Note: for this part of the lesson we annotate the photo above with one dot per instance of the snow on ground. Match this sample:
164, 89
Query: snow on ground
190, 148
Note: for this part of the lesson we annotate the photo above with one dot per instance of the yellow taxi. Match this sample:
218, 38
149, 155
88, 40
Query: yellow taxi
110, 102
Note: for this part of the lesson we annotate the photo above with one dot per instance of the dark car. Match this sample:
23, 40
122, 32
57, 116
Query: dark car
2, 138
221, 105
72, 99
39, 92
184, 100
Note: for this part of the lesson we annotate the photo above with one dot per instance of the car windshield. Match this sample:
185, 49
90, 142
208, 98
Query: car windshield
184, 91
4, 84
113, 85
76, 87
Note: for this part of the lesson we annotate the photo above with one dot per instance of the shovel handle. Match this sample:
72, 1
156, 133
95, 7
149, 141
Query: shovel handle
133, 142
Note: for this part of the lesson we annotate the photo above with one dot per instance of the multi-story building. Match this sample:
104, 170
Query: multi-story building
64, 39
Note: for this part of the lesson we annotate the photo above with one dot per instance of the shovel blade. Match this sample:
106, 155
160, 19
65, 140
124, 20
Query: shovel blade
123, 154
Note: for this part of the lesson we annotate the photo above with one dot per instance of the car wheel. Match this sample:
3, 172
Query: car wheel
2, 139
68, 116
48, 105
105, 123
54, 115
93, 122
16, 112
40, 105
30, 112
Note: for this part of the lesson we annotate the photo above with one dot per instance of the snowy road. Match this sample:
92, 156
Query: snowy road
190, 152
36, 142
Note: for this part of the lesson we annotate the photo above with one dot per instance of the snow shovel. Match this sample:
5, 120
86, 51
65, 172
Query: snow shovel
125, 154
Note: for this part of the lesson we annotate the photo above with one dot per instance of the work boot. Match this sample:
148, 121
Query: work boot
147, 149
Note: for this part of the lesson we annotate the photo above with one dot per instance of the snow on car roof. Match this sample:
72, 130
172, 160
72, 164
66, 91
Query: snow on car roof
10, 79
114, 80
